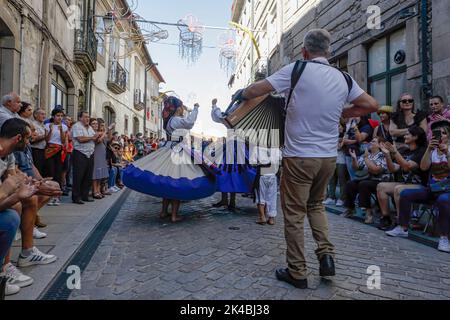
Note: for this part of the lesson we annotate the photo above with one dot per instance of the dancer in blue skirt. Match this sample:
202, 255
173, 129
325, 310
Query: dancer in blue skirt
170, 173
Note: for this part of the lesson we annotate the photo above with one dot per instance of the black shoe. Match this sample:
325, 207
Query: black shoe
78, 202
66, 193
284, 275
88, 200
327, 268
385, 223
219, 204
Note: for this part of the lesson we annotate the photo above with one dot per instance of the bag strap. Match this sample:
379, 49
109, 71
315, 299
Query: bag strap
347, 77
295, 77
298, 70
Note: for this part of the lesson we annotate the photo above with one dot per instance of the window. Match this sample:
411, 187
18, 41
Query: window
109, 115
126, 125
341, 63
58, 91
100, 31
127, 67
387, 68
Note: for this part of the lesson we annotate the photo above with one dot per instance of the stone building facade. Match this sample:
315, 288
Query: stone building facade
58, 53
405, 51
36, 53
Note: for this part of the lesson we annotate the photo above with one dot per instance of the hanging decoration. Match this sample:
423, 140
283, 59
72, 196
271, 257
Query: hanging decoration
228, 52
191, 38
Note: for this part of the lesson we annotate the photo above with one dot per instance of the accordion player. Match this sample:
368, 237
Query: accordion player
259, 121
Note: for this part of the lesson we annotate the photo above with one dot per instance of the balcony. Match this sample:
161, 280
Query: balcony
260, 69
139, 103
117, 78
85, 50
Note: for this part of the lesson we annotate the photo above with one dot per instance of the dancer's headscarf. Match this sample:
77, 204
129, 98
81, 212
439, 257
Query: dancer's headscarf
171, 105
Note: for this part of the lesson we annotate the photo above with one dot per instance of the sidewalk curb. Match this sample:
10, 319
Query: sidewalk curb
413, 235
45, 276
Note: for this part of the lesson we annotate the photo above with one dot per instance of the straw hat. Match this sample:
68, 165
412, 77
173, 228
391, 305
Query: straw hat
386, 109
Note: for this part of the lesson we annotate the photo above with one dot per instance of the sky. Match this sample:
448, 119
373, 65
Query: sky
203, 80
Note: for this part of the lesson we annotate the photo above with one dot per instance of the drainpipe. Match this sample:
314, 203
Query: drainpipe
425, 60
21, 52
41, 62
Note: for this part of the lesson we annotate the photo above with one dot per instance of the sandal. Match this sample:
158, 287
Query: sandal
98, 196
271, 222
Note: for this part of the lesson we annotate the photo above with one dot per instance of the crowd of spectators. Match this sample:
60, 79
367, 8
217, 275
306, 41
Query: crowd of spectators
44, 159
394, 165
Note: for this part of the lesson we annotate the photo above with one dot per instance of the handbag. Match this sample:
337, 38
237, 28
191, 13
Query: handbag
441, 186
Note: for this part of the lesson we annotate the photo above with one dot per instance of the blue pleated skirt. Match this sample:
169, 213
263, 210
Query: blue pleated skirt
171, 174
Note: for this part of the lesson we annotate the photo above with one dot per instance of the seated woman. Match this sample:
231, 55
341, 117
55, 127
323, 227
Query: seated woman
407, 169
404, 118
373, 166
357, 137
437, 157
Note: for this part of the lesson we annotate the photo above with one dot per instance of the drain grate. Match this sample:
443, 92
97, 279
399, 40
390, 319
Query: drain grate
58, 289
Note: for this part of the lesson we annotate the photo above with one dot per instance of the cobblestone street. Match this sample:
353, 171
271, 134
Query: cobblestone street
216, 254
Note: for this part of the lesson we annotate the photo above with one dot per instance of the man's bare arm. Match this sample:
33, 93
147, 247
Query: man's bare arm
258, 89
361, 106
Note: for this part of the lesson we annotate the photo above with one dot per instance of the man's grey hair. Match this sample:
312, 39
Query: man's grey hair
317, 42
7, 98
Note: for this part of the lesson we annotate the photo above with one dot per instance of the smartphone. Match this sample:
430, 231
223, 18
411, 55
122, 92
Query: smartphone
437, 135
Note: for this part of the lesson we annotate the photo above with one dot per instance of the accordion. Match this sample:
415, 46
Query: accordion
259, 121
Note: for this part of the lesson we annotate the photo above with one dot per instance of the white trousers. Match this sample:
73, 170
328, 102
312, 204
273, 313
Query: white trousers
268, 194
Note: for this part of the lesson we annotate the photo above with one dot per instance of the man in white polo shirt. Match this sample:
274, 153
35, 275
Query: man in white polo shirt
309, 157
84, 139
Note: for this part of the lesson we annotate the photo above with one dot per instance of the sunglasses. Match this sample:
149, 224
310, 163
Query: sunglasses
407, 101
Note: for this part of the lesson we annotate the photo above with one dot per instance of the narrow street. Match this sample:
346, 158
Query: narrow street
216, 254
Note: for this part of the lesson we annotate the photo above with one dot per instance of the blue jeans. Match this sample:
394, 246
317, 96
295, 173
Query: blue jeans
112, 177
9, 223
441, 201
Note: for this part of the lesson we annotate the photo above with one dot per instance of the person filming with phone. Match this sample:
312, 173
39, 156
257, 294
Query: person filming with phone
436, 159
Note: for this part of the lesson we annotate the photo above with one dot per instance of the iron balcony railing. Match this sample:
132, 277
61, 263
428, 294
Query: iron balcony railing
117, 77
85, 49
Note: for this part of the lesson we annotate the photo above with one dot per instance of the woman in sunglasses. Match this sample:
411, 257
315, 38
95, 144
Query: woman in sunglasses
405, 117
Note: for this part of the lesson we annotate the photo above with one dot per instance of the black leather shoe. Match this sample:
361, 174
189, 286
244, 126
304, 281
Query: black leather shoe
327, 268
284, 275
88, 200
78, 202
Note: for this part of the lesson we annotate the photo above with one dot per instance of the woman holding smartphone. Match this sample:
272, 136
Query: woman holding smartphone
56, 142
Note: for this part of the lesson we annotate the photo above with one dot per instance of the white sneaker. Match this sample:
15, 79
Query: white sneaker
112, 190
117, 188
36, 258
56, 202
51, 203
398, 232
38, 234
329, 202
11, 289
444, 245
17, 278
339, 203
